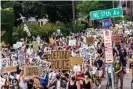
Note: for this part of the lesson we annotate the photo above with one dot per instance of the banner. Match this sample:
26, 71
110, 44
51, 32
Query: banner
51, 40
87, 53
31, 70
90, 40
116, 38
72, 42
10, 69
59, 60
2, 82
76, 60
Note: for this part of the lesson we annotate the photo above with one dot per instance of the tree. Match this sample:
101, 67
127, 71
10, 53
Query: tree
85, 7
54, 11
7, 19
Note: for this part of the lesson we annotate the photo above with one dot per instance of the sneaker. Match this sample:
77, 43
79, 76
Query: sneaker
99, 87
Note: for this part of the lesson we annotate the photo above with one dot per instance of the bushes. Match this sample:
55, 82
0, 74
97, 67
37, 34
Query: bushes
46, 30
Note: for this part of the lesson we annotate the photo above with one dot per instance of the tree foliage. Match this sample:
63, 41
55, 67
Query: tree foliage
54, 11
7, 18
120, 19
84, 7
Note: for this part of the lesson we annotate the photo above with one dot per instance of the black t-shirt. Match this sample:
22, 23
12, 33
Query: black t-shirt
98, 64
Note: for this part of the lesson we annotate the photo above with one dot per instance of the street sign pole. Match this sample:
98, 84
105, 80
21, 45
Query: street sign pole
112, 76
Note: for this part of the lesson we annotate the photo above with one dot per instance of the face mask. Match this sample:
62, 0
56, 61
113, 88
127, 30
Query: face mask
14, 84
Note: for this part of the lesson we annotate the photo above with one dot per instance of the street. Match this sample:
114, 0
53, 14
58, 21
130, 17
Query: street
127, 81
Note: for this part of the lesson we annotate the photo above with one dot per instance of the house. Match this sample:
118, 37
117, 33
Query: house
40, 22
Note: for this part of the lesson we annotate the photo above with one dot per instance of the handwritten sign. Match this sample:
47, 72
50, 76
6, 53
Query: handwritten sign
43, 65
88, 53
72, 42
21, 58
59, 60
76, 60
35, 46
117, 38
90, 40
5, 63
51, 40
10, 69
31, 70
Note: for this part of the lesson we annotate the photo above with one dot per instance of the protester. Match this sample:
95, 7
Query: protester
118, 72
72, 84
99, 64
87, 83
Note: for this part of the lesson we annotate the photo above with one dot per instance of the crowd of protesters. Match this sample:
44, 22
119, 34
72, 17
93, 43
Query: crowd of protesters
69, 79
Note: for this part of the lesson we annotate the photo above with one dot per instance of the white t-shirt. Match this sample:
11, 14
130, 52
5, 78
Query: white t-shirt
52, 75
58, 84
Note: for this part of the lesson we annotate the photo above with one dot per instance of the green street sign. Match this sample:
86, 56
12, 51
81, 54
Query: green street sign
101, 14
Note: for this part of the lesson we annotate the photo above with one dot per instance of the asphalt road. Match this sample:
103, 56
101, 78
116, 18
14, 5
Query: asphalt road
127, 81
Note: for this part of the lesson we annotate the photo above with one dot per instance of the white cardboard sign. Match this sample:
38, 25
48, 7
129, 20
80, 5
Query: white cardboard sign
72, 42
88, 53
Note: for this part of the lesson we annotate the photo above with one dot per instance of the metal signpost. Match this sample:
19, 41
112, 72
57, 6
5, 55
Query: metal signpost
108, 13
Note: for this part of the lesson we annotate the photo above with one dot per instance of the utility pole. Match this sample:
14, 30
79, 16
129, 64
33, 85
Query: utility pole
73, 11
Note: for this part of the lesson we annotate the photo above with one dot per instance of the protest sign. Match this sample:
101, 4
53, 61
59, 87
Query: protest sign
87, 53
116, 38
5, 63
21, 58
35, 46
2, 82
76, 60
59, 60
90, 40
31, 70
106, 23
72, 42
19, 44
43, 65
51, 40
10, 69
108, 46
15, 46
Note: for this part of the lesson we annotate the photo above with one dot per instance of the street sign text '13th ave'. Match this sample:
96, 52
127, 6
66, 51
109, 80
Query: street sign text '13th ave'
108, 13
